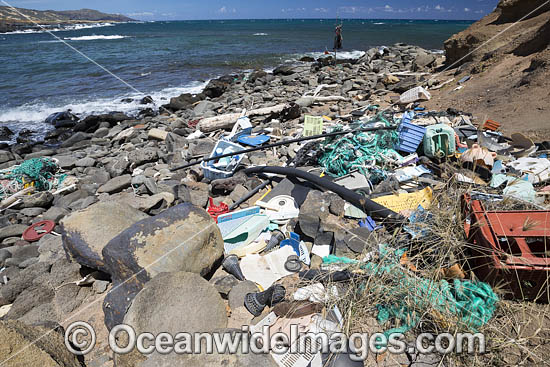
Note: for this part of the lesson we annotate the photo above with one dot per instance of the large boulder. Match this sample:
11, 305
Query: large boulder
182, 238
173, 303
85, 233
184, 101
22, 345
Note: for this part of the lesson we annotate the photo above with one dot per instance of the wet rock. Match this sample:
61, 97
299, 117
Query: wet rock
215, 88
87, 232
187, 234
116, 184
24, 345
193, 305
5, 133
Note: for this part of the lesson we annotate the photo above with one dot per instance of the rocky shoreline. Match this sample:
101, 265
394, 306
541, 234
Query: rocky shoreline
119, 203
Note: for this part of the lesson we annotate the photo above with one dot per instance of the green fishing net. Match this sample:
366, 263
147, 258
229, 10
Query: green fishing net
368, 152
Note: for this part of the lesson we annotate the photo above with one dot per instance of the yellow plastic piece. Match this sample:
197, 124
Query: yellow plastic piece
263, 196
401, 202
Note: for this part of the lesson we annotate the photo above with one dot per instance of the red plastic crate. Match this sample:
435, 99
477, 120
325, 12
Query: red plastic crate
510, 248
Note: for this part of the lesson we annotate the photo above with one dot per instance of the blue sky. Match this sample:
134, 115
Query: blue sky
260, 9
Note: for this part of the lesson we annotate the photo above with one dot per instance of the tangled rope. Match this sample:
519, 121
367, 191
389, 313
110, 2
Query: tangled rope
361, 151
471, 304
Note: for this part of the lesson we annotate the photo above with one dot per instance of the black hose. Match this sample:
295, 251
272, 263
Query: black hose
285, 142
370, 207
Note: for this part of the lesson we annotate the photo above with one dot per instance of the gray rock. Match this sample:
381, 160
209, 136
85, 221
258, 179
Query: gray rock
117, 166
55, 214
65, 161
27, 263
101, 132
138, 180
151, 185
67, 200
238, 192
205, 106
14, 261
224, 284
85, 162
182, 238
116, 184
95, 176
314, 210
85, 233
15, 230
239, 292
24, 252
423, 60
75, 138
4, 255
50, 248
32, 212
173, 302
141, 156
23, 344
100, 286
23, 280
6, 156
40, 200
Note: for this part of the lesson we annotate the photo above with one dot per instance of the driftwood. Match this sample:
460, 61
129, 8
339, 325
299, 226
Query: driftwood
12, 199
227, 121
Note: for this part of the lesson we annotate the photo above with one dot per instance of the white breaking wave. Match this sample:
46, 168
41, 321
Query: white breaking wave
261, 34
71, 27
94, 37
32, 115
379, 23
339, 54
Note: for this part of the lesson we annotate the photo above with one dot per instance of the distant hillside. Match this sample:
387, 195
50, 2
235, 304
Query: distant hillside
11, 19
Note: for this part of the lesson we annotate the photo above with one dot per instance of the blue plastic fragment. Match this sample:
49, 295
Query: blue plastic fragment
410, 135
420, 108
369, 223
253, 140
293, 241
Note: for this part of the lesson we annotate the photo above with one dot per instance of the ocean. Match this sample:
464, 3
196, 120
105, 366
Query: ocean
40, 75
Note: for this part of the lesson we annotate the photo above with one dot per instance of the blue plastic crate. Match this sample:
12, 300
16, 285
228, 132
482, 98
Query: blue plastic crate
410, 137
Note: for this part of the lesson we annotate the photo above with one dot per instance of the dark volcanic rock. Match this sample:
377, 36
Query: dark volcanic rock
85, 233
5, 133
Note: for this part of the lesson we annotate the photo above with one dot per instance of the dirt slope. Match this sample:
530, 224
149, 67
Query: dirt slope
508, 60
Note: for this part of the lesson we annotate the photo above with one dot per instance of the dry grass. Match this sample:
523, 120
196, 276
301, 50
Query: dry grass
517, 334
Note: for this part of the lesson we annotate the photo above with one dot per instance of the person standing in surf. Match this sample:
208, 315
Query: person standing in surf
338, 38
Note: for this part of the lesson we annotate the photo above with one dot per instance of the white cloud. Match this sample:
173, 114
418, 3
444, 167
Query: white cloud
467, 9
222, 10
321, 10
439, 7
